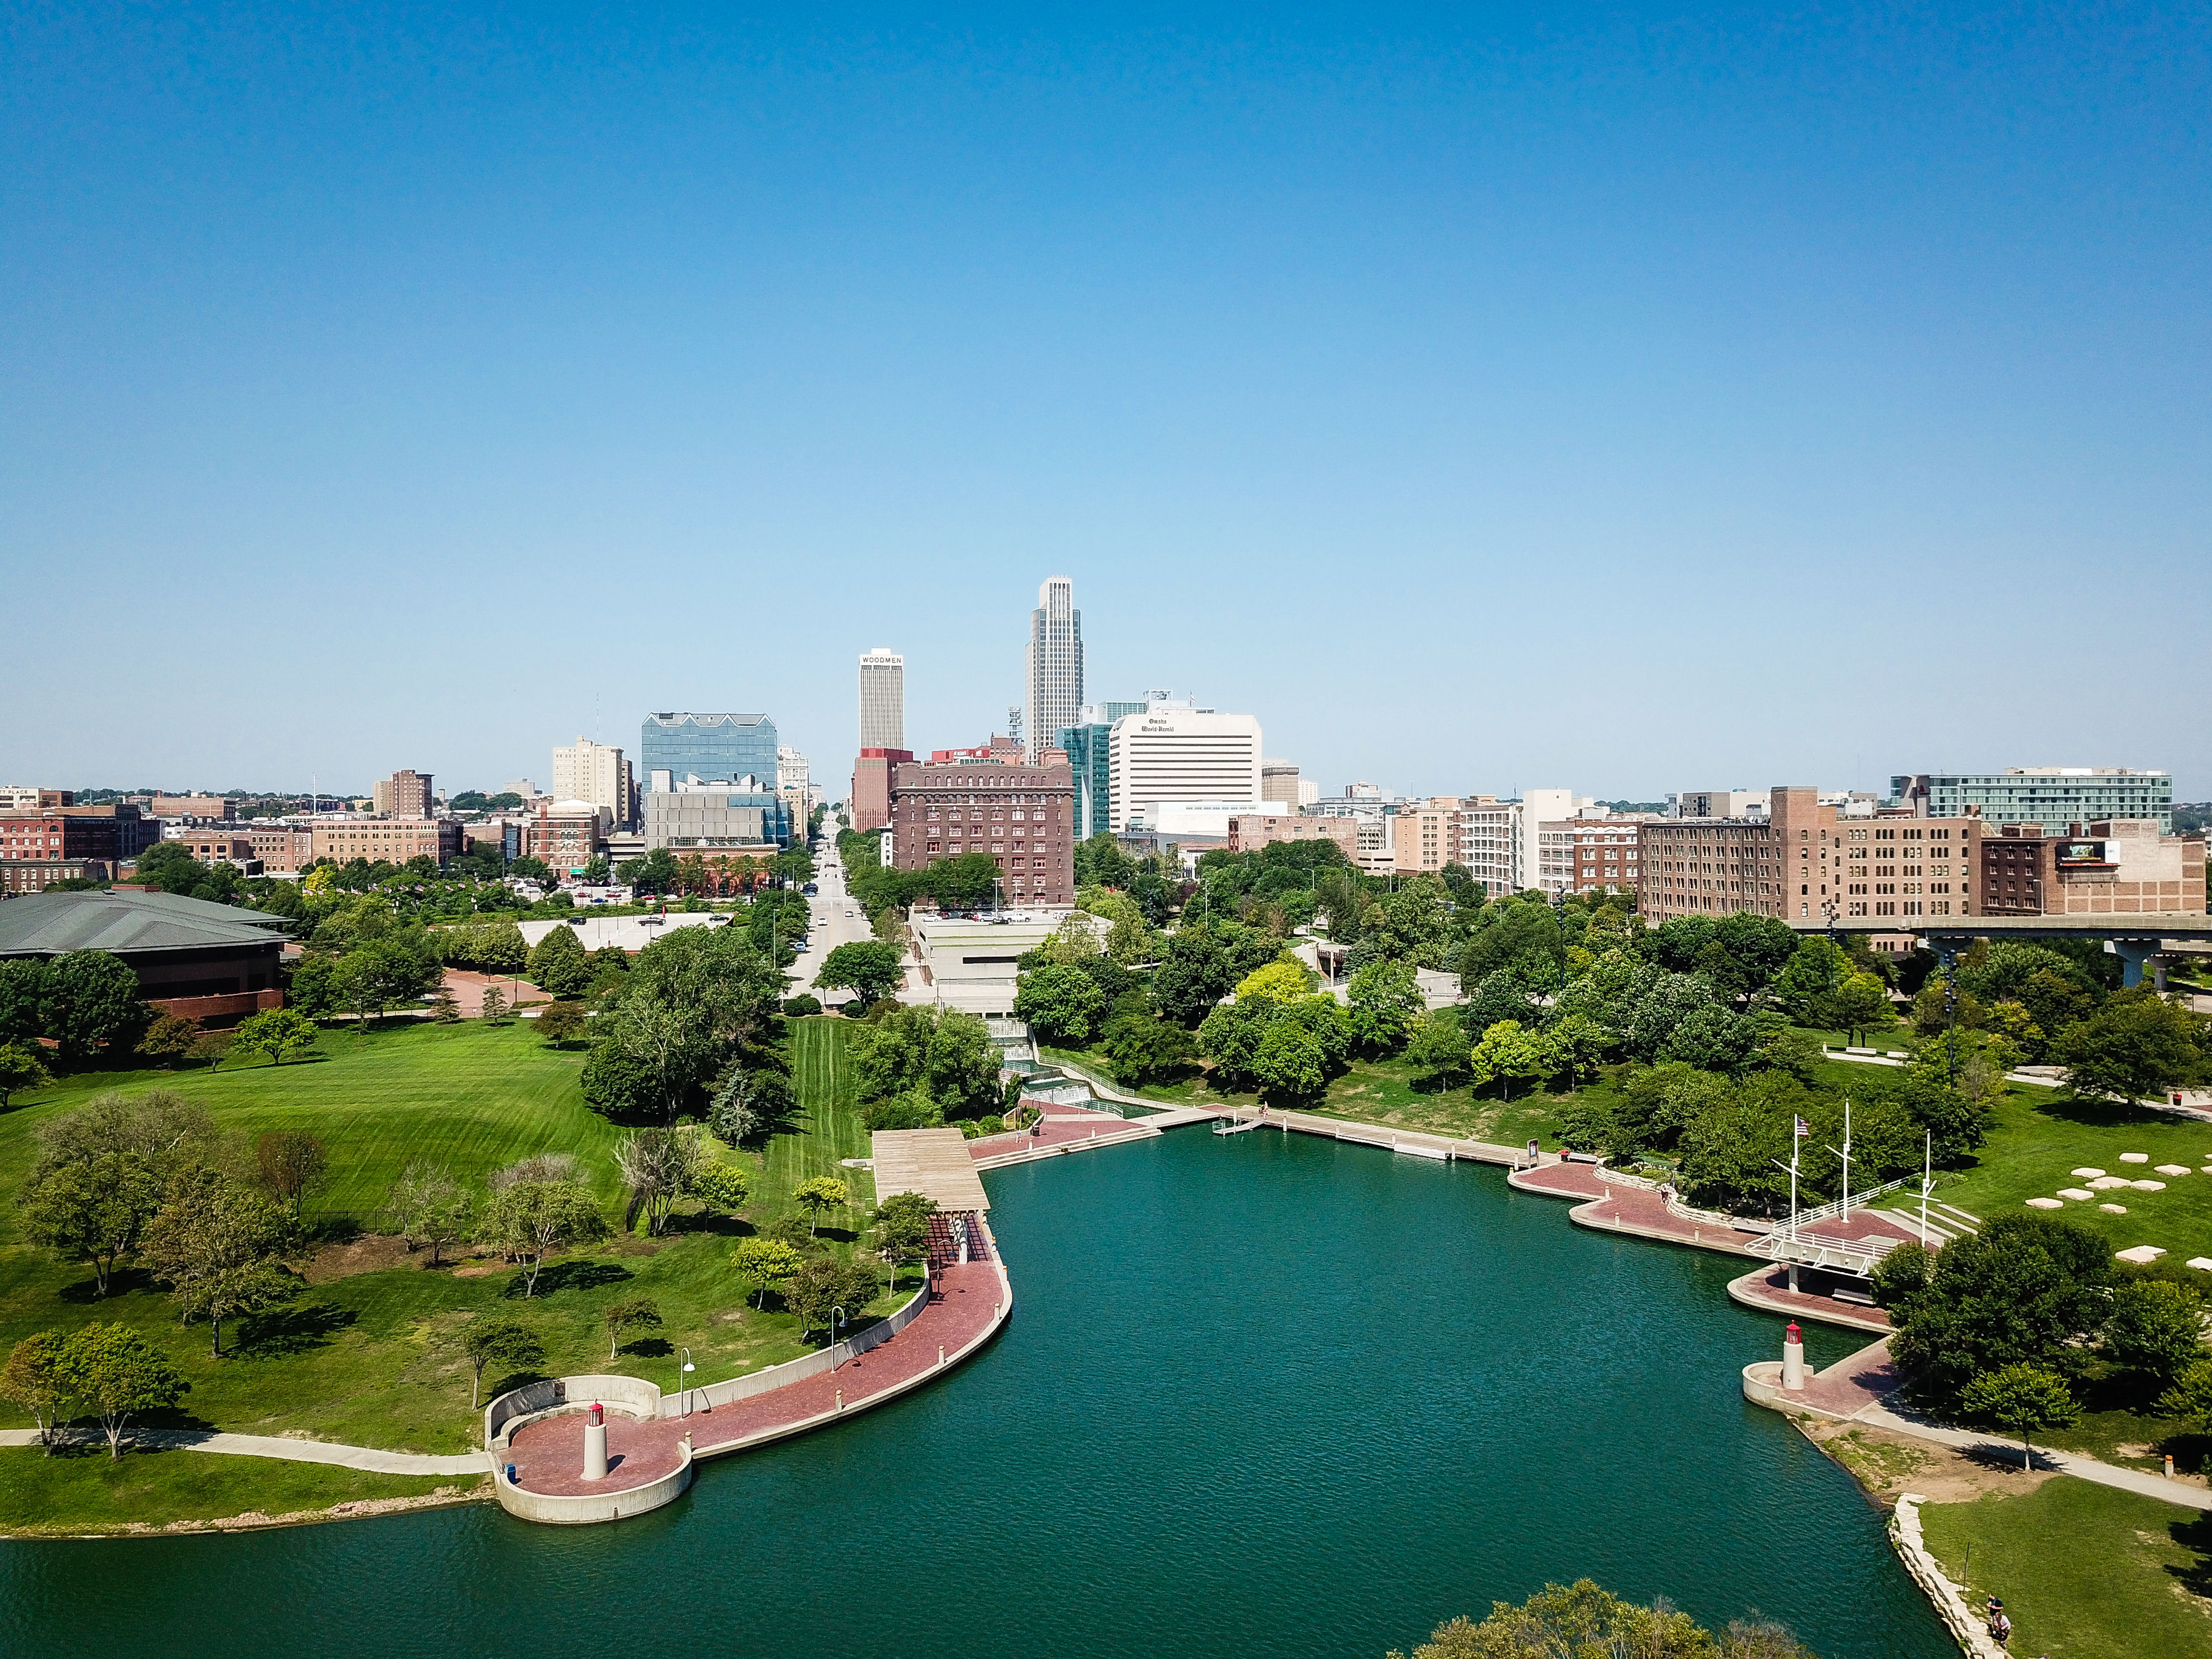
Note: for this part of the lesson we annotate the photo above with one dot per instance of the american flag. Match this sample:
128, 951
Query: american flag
1803, 1128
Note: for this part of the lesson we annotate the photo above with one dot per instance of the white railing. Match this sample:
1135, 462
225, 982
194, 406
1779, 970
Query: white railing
1835, 1207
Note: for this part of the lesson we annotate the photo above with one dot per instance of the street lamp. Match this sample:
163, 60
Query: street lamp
836, 1315
683, 1388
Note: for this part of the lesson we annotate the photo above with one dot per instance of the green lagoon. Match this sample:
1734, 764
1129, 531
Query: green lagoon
1263, 1395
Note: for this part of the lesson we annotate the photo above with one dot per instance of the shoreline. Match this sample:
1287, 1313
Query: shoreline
356, 1508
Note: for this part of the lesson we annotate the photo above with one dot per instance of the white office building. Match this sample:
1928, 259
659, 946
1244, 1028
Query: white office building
1176, 753
1055, 664
882, 699
594, 772
1501, 841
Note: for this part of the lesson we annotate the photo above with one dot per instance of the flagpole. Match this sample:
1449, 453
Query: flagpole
1847, 1159
1927, 1180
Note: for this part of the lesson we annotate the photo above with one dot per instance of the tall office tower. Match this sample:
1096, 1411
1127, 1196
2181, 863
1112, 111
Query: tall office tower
1177, 756
1279, 782
593, 771
714, 748
882, 699
1055, 663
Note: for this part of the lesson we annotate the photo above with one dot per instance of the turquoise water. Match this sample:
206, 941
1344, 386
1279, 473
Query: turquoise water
1261, 1396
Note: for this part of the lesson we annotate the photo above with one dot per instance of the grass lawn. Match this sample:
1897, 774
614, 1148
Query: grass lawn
468, 1095
83, 1492
2037, 1137
372, 1358
2087, 1572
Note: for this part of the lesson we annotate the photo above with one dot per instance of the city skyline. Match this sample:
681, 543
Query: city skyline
1491, 402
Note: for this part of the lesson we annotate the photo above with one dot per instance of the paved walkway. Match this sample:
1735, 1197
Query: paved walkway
290, 1451
1767, 1289
1063, 1129
469, 987
548, 1454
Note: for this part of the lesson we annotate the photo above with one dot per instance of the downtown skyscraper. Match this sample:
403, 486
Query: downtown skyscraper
883, 700
1055, 663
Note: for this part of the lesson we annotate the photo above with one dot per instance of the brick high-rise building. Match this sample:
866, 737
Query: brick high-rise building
1022, 817
870, 804
1805, 857
405, 795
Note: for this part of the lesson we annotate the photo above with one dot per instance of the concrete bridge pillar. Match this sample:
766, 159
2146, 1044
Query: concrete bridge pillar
2134, 954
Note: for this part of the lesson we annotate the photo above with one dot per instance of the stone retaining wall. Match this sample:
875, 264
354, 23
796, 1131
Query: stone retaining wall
588, 1507
812, 1364
1970, 1633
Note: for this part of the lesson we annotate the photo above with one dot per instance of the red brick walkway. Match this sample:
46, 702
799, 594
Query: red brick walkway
469, 987
548, 1454
1768, 1289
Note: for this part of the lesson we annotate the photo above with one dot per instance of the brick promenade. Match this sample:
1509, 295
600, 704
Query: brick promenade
548, 1454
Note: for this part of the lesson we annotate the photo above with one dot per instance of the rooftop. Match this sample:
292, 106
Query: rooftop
48, 924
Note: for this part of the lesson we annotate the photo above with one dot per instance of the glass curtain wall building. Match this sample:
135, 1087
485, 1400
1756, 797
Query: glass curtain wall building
2056, 797
1088, 755
719, 748
1055, 663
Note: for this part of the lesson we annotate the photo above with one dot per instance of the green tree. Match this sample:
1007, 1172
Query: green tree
1063, 1004
1859, 1003
1808, 981
91, 1003
1509, 1051
824, 1285
1440, 1049
2022, 1398
869, 969
558, 965
384, 973
218, 1246
634, 1313
946, 1051
649, 1057
1288, 1063
313, 988
1578, 1042
92, 1209
909, 1109
169, 1038
768, 1262
1582, 1621
428, 1205
118, 1375
508, 1342
36, 1381
751, 1098
1283, 980
528, 1219
721, 1185
2136, 1044
817, 1194
290, 1163
2190, 1396
2155, 1328
1383, 1006
20, 1068
494, 1011
1142, 1047
902, 1225
2029, 1290
560, 1022
279, 1033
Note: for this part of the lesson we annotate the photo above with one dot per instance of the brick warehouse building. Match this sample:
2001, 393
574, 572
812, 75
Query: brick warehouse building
1803, 857
202, 961
1021, 815
39, 847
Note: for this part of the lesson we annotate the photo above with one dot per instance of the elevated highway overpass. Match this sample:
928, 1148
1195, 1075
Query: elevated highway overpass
2135, 939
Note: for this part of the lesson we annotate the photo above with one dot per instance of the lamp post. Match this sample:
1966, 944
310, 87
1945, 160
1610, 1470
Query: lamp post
836, 1315
683, 1388
1559, 910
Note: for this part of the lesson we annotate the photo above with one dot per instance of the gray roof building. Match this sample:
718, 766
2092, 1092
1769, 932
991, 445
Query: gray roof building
180, 948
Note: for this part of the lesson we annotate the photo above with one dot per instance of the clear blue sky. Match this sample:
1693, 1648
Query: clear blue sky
1621, 398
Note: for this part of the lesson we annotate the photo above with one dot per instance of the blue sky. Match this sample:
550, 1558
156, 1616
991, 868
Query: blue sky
1625, 398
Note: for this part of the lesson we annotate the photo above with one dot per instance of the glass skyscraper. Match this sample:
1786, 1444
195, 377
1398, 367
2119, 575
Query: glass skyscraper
716, 748
1086, 747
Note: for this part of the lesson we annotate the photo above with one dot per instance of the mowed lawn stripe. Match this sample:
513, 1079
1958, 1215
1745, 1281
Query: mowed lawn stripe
471, 1097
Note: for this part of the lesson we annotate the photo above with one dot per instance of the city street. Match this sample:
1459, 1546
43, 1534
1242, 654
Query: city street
831, 926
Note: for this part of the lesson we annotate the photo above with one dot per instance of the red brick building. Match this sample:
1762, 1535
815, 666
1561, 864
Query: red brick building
1022, 817
1805, 857
870, 806
1249, 832
57, 836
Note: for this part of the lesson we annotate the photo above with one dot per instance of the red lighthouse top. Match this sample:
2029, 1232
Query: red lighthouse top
598, 1414
1795, 1335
